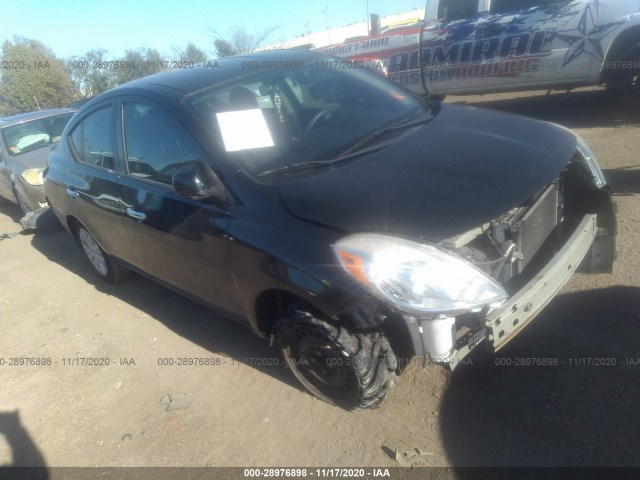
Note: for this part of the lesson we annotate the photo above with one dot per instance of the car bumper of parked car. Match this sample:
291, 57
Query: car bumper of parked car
33, 195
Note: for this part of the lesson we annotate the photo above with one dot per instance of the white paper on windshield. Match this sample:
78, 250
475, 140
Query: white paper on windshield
244, 129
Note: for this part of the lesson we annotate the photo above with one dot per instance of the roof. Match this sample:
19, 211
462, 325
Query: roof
214, 72
24, 117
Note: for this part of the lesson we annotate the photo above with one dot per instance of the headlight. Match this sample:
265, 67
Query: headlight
417, 278
591, 162
33, 176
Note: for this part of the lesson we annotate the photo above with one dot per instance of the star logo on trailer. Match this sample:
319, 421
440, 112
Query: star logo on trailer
586, 38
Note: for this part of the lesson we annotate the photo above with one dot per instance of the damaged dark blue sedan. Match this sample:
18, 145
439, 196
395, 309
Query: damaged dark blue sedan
349, 221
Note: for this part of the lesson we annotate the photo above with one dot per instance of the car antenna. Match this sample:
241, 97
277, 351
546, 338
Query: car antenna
34, 97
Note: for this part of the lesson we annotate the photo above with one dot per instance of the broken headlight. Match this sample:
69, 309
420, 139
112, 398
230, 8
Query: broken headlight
417, 278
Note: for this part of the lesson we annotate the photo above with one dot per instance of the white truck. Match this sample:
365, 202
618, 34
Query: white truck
483, 46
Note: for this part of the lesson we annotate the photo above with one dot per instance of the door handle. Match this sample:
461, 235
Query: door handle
139, 216
72, 193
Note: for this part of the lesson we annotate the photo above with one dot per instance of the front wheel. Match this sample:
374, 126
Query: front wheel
108, 270
351, 370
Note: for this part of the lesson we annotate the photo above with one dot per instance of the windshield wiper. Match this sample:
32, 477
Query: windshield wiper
353, 151
383, 131
321, 163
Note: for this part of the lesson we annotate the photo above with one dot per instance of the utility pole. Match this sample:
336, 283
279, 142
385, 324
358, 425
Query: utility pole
368, 26
326, 23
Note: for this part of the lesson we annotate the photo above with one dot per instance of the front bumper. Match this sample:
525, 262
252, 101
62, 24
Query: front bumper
33, 195
505, 322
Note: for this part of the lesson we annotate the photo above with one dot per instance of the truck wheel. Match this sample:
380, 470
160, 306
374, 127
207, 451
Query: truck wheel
624, 84
109, 270
350, 370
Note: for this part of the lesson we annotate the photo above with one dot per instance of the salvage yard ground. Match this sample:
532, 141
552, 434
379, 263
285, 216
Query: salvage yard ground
245, 411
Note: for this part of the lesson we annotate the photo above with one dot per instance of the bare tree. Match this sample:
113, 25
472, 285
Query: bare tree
239, 41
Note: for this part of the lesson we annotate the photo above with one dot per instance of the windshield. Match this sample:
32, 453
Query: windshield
34, 134
276, 118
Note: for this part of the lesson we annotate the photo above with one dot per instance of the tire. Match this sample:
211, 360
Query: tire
351, 370
108, 270
624, 85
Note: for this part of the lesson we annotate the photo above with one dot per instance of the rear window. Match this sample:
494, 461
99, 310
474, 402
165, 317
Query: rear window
93, 139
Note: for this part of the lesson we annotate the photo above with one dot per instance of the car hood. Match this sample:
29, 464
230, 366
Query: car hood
465, 167
33, 159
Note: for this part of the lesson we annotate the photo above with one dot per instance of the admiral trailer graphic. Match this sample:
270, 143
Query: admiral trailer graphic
507, 45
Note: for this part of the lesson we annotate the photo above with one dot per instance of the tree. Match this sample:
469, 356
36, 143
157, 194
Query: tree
139, 63
87, 75
36, 78
191, 53
239, 41
223, 48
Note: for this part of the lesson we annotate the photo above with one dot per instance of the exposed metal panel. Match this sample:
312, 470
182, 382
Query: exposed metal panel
511, 317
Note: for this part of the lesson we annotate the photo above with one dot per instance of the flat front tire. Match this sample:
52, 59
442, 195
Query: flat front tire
107, 269
350, 370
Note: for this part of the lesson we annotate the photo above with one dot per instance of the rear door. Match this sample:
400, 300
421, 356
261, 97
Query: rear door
91, 184
180, 241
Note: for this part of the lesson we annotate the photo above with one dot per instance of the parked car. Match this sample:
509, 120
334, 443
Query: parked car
348, 220
25, 141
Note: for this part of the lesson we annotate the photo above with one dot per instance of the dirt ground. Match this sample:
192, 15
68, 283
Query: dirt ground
135, 412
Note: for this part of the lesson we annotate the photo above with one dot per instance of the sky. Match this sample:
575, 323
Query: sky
72, 27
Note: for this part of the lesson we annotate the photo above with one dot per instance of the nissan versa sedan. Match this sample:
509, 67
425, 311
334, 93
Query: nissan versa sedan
25, 140
347, 220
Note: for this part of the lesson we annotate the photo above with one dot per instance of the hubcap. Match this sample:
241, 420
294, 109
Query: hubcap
93, 251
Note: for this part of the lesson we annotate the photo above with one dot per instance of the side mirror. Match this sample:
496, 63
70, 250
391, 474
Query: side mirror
189, 182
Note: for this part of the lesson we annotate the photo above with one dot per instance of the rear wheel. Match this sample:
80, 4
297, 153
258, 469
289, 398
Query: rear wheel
351, 370
106, 268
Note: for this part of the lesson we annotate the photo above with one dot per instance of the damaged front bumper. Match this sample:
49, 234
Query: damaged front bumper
503, 323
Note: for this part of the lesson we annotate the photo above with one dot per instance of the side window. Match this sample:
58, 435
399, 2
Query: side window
155, 147
450, 10
506, 6
93, 139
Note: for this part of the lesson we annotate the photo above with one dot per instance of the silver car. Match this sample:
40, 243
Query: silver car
25, 142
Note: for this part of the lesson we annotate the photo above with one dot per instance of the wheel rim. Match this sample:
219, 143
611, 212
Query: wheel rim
93, 251
321, 365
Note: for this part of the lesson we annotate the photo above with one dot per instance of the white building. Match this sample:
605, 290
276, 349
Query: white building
340, 34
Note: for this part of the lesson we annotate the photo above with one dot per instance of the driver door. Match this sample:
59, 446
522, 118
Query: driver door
449, 65
179, 241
